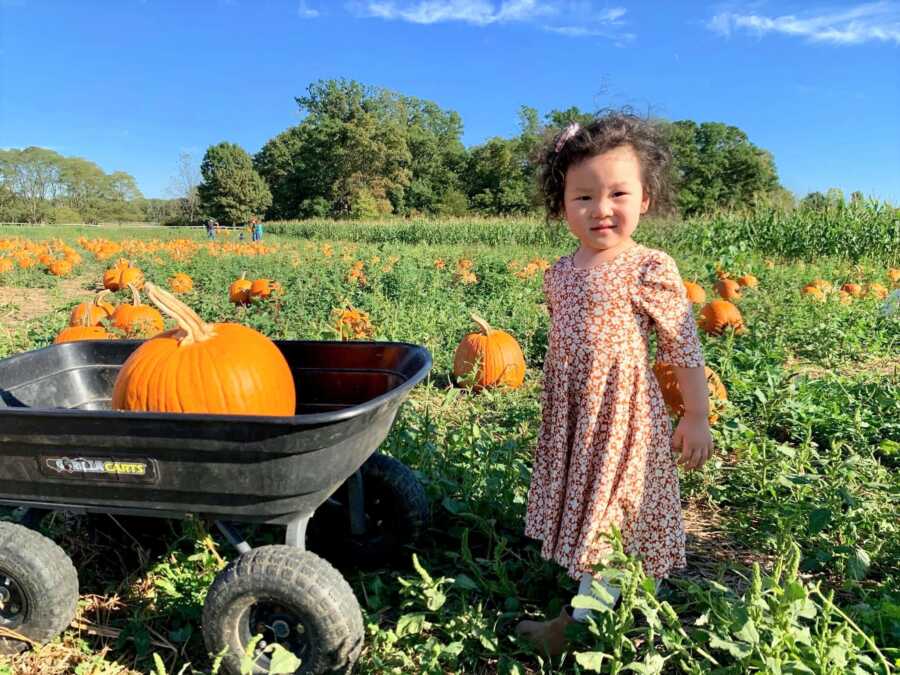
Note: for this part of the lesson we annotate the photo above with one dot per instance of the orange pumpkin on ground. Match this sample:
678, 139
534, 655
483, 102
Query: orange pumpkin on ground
181, 283
239, 291
491, 357
719, 314
728, 289
814, 292
220, 368
122, 275
876, 291
822, 285
852, 289
6, 265
136, 319
668, 384
695, 292
894, 275
96, 309
59, 268
260, 289
84, 331
749, 281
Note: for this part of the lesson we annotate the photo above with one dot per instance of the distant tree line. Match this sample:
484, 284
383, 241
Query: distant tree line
363, 152
39, 185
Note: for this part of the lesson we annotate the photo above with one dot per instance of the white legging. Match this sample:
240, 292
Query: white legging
584, 588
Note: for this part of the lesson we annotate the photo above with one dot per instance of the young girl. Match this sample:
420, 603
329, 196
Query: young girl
604, 451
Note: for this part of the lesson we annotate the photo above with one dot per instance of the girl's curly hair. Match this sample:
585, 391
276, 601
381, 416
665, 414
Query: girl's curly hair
606, 132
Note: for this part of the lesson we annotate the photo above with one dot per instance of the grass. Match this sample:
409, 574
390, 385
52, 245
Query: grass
804, 481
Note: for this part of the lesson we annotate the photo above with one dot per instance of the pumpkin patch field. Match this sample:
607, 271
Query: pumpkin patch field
793, 526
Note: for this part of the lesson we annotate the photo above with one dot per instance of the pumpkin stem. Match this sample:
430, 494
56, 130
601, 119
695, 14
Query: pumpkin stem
194, 328
99, 297
135, 296
482, 324
86, 319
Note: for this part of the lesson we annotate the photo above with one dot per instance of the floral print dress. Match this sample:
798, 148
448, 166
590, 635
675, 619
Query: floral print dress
603, 454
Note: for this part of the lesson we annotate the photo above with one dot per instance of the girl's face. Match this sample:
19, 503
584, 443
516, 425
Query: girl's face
604, 199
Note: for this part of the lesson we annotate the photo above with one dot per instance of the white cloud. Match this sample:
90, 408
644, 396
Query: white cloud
304, 11
576, 18
876, 21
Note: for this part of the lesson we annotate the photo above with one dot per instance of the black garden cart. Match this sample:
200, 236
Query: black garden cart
62, 449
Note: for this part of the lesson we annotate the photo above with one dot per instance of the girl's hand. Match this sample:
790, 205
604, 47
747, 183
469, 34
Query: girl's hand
692, 438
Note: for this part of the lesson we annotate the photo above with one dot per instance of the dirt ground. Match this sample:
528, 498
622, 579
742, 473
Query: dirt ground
22, 304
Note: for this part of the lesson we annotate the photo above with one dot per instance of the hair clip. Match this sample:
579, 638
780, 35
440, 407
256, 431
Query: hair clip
569, 131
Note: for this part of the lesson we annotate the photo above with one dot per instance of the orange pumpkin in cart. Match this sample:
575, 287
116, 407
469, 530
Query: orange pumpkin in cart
218, 368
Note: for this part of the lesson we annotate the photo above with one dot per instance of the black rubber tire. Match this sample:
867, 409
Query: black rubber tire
306, 586
396, 509
41, 581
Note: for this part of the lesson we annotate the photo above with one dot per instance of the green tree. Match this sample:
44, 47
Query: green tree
86, 188
496, 178
814, 201
363, 144
358, 139
32, 175
232, 191
716, 166
437, 156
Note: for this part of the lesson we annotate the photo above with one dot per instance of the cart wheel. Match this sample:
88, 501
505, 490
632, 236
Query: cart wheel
396, 514
38, 587
290, 596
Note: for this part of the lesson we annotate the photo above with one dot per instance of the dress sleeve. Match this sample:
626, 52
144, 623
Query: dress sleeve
660, 294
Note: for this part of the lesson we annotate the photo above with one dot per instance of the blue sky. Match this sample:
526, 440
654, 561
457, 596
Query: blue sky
130, 84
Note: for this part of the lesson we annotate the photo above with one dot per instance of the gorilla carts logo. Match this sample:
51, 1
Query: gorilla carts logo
103, 468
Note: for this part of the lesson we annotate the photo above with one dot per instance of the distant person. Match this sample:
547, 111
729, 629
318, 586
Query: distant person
604, 452
210, 229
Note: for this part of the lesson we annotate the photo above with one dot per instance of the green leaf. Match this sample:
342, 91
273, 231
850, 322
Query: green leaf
818, 520
837, 655
510, 666
283, 662
794, 591
590, 661
410, 624
858, 564
434, 599
747, 632
652, 665
801, 634
738, 650
488, 641
808, 609
590, 602
465, 582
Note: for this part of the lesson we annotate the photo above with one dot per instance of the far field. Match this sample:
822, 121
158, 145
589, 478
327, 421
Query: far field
804, 482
